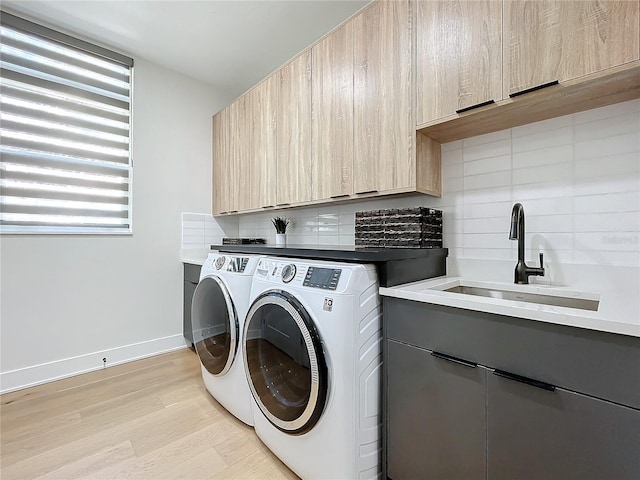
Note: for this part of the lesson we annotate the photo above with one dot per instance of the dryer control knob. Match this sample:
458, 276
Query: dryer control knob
288, 272
220, 262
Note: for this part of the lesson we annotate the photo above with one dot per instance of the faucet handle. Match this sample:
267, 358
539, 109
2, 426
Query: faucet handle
541, 260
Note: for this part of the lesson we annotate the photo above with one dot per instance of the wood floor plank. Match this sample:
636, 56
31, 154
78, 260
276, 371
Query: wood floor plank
86, 466
154, 420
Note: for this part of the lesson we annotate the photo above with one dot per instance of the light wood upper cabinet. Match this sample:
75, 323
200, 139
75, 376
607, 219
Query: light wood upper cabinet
459, 56
384, 123
220, 161
294, 131
261, 110
238, 168
558, 40
332, 115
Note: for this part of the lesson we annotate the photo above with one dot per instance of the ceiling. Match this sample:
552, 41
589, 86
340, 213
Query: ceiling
231, 45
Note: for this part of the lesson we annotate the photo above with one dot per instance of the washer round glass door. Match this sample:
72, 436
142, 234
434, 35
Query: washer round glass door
285, 363
215, 325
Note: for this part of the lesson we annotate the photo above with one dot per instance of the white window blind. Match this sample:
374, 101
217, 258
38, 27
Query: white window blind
65, 128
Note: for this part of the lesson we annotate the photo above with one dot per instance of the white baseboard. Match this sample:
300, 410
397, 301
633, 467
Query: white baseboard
68, 367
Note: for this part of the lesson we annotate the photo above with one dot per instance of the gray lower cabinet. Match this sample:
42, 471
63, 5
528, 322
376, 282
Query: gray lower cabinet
540, 434
543, 402
191, 278
436, 416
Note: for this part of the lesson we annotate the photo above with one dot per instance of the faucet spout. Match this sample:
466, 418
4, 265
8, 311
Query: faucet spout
522, 271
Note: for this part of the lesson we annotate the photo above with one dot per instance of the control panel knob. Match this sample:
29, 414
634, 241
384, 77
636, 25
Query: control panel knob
220, 262
288, 272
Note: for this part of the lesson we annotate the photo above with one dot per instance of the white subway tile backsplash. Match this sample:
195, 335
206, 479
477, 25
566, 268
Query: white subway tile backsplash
607, 241
622, 164
607, 222
483, 225
614, 202
544, 126
623, 124
487, 150
549, 223
488, 253
561, 173
607, 147
536, 141
491, 195
578, 177
485, 210
609, 111
487, 165
487, 180
544, 156
487, 138
547, 206
487, 240
553, 188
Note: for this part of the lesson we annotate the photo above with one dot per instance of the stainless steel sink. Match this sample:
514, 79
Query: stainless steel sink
570, 302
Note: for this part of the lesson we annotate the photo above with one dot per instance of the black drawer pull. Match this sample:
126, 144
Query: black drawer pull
521, 379
457, 360
483, 104
282, 204
533, 89
340, 196
268, 206
366, 191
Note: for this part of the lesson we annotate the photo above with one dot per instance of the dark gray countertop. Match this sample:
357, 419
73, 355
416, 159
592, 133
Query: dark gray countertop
337, 252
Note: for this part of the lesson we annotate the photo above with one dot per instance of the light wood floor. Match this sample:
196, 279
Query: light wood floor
149, 419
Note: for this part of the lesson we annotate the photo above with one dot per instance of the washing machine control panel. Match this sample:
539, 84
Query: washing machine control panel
288, 273
325, 278
237, 264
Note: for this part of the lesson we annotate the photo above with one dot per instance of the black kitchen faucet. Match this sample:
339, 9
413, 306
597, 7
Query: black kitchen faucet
522, 271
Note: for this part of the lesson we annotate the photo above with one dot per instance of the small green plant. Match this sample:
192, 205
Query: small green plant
281, 224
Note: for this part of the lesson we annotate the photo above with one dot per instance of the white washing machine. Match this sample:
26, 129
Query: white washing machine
313, 360
218, 309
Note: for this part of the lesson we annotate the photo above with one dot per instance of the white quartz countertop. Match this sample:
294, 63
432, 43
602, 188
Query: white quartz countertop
194, 256
614, 314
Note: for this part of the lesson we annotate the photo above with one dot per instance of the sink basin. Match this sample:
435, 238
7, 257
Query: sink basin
558, 301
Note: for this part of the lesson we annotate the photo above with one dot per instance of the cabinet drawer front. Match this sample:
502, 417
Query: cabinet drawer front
436, 416
599, 364
539, 434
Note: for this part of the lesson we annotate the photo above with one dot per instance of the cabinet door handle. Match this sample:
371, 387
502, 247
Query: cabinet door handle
457, 360
233, 211
282, 204
483, 104
533, 89
268, 206
340, 196
367, 191
521, 379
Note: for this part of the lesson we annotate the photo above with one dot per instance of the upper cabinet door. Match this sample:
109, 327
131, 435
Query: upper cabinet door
459, 56
221, 162
557, 40
384, 124
261, 109
238, 168
332, 115
294, 131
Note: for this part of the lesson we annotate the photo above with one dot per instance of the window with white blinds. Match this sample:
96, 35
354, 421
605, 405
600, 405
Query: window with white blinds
65, 121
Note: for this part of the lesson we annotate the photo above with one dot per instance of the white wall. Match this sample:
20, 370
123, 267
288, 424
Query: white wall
69, 301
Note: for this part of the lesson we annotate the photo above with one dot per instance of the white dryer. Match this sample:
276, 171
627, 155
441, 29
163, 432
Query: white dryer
218, 309
313, 359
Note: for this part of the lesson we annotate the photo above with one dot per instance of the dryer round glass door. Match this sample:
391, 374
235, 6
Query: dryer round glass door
215, 325
285, 363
